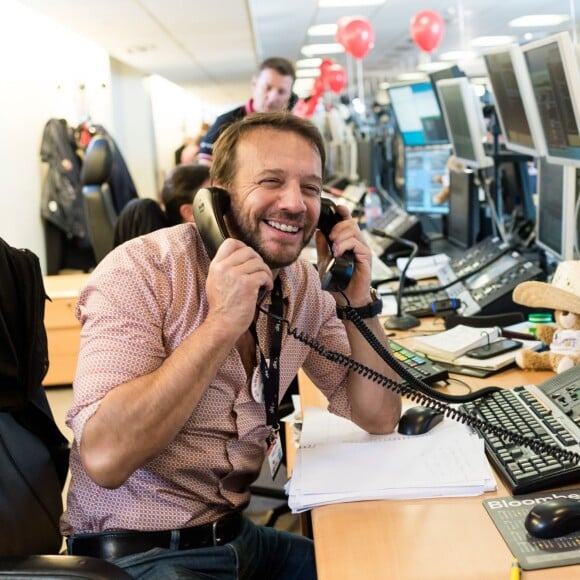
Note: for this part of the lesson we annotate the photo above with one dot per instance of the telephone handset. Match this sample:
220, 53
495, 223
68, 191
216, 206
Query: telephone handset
211, 203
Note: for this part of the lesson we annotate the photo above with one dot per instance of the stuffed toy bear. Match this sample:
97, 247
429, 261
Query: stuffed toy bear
563, 296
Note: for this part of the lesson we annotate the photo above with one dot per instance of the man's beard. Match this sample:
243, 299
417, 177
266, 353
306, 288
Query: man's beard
249, 233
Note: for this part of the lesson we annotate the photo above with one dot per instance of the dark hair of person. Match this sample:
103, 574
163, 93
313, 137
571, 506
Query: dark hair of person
223, 168
280, 65
180, 187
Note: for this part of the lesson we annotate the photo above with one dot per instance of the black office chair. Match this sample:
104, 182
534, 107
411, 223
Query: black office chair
33, 451
100, 211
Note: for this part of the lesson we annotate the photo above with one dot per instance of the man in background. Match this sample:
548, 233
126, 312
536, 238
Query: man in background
178, 191
271, 91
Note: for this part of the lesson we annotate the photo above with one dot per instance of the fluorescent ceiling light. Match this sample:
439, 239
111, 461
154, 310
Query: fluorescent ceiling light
348, 3
328, 48
307, 72
303, 86
322, 30
428, 67
455, 55
487, 41
308, 62
411, 76
540, 20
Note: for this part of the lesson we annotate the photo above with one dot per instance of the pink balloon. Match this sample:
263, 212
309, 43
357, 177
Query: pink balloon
359, 37
427, 29
336, 78
340, 26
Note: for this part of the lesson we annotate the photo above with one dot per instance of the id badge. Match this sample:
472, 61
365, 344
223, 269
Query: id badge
275, 454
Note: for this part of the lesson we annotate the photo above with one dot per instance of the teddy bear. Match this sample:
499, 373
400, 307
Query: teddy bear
562, 295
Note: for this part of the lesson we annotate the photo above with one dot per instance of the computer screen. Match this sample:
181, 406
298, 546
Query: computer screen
418, 115
514, 101
555, 218
463, 219
552, 65
464, 121
424, 169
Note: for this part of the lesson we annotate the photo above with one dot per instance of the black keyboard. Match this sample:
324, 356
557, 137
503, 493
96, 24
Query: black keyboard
520, 411
419, 366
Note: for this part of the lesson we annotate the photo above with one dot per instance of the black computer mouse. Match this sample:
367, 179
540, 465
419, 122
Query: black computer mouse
554, 518
418, 420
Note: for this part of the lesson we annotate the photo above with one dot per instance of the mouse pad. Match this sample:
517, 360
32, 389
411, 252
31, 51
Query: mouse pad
509, 513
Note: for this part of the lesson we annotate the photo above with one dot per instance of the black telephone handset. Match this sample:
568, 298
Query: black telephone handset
211, 203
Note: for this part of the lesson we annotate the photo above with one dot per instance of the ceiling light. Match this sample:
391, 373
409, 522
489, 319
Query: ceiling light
328, 48
307, 72
347, 3
308, 62
455, 55
411, 76
488, 41
538, 20
322, 30
428, 67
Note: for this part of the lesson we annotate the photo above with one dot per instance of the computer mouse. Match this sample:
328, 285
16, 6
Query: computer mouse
554, 518
418, 420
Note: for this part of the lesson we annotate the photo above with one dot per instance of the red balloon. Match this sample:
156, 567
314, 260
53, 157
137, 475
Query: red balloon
427, 29
324, 66
340, 26
318, 86
359, 37
336, 78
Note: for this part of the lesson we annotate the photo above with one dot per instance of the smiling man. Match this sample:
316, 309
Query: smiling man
180, 372
271, 91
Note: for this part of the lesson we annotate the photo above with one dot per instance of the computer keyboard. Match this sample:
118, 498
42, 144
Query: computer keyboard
549, 413
420, 367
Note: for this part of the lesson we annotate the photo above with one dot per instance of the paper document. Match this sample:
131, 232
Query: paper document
423, 266
337, 462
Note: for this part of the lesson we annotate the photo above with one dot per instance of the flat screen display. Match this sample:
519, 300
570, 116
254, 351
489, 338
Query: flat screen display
424, 170
418, 114
514, 101
553, 69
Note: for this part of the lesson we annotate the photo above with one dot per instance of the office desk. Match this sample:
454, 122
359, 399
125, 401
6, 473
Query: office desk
424, 539
62, 328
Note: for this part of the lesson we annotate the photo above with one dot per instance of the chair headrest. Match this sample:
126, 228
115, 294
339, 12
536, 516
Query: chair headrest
98, 161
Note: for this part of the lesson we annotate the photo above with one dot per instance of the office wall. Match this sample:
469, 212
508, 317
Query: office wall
49, 71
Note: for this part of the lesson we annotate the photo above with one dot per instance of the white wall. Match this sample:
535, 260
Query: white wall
52, 72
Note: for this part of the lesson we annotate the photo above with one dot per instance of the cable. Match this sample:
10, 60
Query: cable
418, 391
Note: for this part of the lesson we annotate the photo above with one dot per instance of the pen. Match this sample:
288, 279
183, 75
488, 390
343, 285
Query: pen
515, 570
521, 335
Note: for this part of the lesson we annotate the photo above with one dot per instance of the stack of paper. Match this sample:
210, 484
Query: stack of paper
338, 462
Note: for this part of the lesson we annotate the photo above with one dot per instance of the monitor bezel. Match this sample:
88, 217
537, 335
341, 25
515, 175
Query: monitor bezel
475, 121
409, 85
570, 58
568, 211
527, 99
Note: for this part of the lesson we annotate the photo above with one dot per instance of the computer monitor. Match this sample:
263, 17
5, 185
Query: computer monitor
463, 220
556, 218
424, 168
464, 121
451, 72
514, 100
418, 115
552, 64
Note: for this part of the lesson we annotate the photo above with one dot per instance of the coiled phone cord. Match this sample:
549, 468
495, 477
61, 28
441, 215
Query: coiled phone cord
420, 392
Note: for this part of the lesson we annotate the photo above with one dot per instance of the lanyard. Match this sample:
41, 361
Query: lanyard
271, 373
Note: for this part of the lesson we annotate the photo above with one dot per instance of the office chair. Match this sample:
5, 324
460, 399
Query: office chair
33, 451
100, 211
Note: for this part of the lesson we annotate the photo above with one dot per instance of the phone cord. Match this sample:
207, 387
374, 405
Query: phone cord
418, 391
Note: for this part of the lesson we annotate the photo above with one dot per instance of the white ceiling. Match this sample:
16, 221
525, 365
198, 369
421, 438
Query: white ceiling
214, 47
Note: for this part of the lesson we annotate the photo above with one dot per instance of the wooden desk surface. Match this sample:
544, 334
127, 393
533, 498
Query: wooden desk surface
434, 539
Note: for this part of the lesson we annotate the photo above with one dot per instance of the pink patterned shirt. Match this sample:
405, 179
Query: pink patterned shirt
139, 304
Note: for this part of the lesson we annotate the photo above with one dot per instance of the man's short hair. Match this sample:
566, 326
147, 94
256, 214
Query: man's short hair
223, 169
180, 187
280, 65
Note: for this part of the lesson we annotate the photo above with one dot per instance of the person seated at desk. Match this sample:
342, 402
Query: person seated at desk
179, 189
179, 370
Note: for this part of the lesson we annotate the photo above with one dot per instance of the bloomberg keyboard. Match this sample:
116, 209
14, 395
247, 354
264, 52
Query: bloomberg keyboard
420, 367
549, 413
